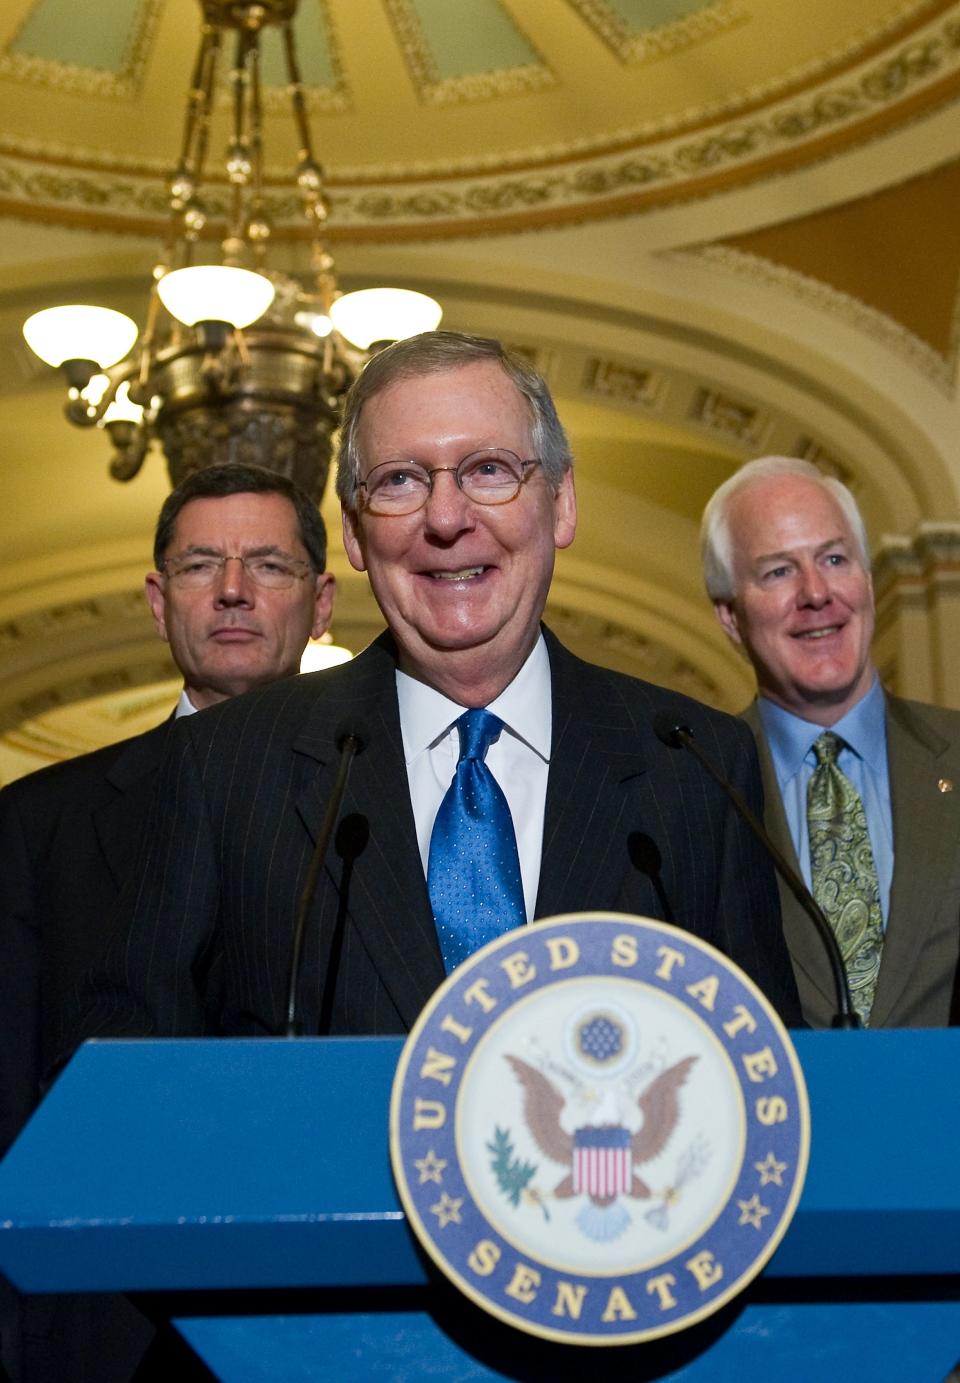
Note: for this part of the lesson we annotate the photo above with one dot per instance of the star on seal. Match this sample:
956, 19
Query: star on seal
431, 1167
447, 1210
771, 1170
752, 1212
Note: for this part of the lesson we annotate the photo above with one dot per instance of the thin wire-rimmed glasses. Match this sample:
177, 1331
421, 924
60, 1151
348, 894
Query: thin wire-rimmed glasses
492, 476
273, 571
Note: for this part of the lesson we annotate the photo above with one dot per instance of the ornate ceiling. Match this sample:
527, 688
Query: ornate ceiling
722, 229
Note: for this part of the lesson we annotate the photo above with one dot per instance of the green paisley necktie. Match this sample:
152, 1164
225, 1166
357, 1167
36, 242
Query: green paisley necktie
843, 872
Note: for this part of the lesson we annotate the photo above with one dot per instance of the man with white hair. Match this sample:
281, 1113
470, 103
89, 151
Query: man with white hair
859, 784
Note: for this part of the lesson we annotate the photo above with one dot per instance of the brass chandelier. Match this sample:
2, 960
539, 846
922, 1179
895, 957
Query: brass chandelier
236, 361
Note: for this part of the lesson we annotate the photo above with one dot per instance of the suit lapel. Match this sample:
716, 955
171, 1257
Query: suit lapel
389, 906
924, 829
587, 794
118, 819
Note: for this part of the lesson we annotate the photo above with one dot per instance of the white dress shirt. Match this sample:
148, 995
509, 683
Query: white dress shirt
185, 706
519, 759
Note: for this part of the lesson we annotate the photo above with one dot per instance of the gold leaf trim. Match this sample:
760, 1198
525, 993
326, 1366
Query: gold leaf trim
925, 72
89, 81
125, 85
485, 86
434, 90
656, 43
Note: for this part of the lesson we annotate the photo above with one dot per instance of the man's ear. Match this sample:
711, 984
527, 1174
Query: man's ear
727, 615
565, 512
324, 590
153, 588
351, 540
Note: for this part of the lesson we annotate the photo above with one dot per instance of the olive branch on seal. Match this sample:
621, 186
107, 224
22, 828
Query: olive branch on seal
513, 1176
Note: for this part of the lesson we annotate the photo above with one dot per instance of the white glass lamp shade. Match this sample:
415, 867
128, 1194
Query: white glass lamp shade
76, 332
215, 293
322, 653
384, 314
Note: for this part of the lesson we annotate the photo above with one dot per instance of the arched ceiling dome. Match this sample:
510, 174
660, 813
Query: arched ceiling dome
438, 118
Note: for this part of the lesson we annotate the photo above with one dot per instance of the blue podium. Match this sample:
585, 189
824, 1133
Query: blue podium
251, 1181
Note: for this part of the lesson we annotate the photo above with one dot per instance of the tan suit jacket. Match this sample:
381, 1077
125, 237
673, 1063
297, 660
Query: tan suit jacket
919, 984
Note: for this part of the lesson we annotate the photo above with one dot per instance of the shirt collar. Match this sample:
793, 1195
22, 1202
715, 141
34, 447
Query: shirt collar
791, 738
524, 707
185, 706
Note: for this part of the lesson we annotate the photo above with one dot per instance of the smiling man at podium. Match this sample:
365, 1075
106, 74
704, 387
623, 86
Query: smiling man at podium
501, 779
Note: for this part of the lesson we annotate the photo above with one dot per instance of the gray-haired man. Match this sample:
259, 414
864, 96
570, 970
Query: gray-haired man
858, 784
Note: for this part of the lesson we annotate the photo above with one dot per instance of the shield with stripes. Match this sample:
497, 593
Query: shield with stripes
602, 1164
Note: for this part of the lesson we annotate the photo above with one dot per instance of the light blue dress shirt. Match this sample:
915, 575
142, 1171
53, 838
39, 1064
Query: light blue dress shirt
864, 761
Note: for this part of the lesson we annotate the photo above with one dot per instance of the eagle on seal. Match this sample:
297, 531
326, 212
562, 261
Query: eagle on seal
659, 1106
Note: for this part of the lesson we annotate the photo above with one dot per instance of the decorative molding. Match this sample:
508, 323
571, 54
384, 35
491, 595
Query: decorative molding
610, 379
916, 578
939, 370
122, 677
319, 100
54, 623
645, 169
664, 39
486, 86
87, 81
732, 419
126, 84
908, 566
434, 90
937, 545
809, 450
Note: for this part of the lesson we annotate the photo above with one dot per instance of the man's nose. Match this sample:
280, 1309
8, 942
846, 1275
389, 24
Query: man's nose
814, 587
233, 585
448, 510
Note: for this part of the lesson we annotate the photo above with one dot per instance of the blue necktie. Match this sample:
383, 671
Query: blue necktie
473, 873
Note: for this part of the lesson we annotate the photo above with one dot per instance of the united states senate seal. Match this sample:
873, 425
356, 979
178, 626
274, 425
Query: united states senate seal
599, 1129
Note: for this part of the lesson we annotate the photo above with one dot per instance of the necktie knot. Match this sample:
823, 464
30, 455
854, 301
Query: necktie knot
478, 729
827, 748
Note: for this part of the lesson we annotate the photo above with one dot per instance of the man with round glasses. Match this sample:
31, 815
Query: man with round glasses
239, 588
456, 484
490, 476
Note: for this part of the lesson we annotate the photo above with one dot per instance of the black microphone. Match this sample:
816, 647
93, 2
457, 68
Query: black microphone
644, 854
679, 736
351, 739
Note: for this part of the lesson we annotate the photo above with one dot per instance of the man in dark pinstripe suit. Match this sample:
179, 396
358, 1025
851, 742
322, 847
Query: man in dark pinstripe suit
240, 585
456, 484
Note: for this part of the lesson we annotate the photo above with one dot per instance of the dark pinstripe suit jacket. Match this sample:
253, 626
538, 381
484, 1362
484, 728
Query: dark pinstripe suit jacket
630, 825
68, 840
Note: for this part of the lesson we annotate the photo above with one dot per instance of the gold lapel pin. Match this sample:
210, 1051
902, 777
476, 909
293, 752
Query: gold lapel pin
945, 784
